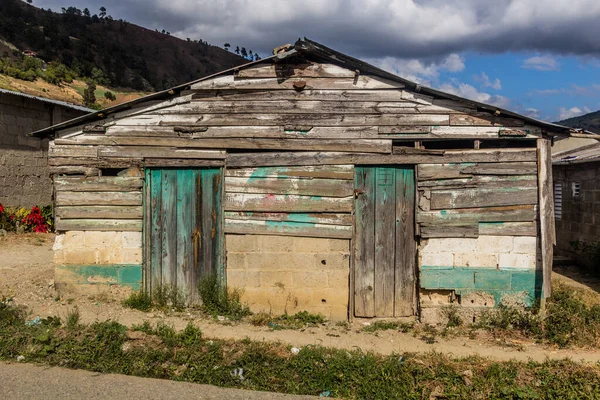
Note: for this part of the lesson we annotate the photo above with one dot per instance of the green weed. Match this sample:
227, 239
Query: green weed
73, 318
139, 301
302, 319
220, 301
162, 298
388, 325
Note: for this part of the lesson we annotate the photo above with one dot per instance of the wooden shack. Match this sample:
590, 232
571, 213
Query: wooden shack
312, 181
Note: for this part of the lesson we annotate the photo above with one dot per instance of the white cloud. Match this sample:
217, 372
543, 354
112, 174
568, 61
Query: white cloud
485, 81
421, 71
565, 113
573, 90
470, 92
541, 63
532, 113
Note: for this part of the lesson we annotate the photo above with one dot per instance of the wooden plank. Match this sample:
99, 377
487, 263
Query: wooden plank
95, 162
364, 243
315, 119
74, 170
184, 163
107, 225
484, 119
156, 231
107, 212
294, 106
362, 82
306, 172
146, 234
325, 158
508, 228
72, 151
385, 221
312, 218
482, 132
285, 203
470, 198
405, 247
210, 219
465, 170
98, 199
307, 70
287, 228
449, 231
177, 144
169, 227
546, 203
352, 95
158, 152
184, 231
482, 181
98, 184
304, 187
472, 216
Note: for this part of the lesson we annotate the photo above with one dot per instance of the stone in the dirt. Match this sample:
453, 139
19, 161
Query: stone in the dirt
20, 358
295, 350
3, 232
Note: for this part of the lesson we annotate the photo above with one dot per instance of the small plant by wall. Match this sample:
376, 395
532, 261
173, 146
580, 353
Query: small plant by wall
21, 219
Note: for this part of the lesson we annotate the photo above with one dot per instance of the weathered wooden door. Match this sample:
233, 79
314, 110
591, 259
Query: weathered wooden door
183, 228
385, 248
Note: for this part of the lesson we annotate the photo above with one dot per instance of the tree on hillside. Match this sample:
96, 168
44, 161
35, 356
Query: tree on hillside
86, 12
89, 96
102, 12
29, 1
244, 52
227, 46
237, 50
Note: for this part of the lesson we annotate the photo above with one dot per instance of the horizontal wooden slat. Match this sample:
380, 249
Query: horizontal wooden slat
484, 119
464, 170
98, 184
308, 70
449, 231
472, 216
288, 229
104, 212
98, 198
306, 94
72, 151
481, 181
305, 187
74, 170
183, 163
177, 144
508, 228
121, 225
158, 152
324, 158
314, 218
470, 198
290, 119
112, 162
306, 172
284, 203
362, 82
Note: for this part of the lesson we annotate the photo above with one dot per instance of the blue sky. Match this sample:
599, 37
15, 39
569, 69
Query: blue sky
537, 57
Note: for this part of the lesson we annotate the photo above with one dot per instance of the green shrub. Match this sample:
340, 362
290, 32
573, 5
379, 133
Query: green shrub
220, 301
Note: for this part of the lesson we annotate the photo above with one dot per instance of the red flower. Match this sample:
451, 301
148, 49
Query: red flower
1, 208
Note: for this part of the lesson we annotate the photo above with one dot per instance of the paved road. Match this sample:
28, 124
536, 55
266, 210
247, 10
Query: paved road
32, 382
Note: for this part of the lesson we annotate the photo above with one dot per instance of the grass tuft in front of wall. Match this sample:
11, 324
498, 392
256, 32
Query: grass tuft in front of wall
161, 352
221, 301
300, 320
162, 298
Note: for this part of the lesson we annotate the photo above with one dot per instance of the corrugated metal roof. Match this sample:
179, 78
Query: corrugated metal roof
309, 48
57, 102
584, 154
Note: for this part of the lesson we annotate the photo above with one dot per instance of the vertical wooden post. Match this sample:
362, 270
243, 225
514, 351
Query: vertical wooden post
546, 205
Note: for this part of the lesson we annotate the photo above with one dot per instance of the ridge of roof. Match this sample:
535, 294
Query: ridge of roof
305, 46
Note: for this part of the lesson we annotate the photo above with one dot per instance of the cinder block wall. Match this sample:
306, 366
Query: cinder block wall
24, 177
477, 272
280, 274
580, 216
86, 257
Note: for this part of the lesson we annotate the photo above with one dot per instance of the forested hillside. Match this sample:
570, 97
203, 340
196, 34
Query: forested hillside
589, 122
80, 44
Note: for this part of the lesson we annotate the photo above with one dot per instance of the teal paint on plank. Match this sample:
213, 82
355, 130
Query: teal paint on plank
169, 227
184, 229
155, 234
385, 249
113, 274
288, 224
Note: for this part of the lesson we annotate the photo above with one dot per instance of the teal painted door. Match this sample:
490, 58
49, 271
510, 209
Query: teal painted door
385, 247
183, 229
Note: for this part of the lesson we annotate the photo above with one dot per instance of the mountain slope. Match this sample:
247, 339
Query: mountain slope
589, 122
116, 53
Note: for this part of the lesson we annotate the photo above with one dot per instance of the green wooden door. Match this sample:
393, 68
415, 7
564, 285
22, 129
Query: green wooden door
385, 247
183, 228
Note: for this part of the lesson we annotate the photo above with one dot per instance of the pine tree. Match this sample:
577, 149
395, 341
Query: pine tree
89, 97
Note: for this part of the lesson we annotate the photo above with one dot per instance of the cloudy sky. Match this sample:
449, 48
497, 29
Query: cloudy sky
537, 57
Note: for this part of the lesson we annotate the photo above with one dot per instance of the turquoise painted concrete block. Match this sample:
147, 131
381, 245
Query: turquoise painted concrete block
115, 274
525, 280
455, 278
492, 279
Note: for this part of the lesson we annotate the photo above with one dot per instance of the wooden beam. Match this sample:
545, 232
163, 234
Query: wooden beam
285, 203
252, 227
470, 198
124, 225
470, 216
98, 184
304, 187
98, 198
99, 212
306, 172
363, 82
546, 203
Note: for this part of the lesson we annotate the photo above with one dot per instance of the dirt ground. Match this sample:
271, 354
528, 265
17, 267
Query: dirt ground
26, 275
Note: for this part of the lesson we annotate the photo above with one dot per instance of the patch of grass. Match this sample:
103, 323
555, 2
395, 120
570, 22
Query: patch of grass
388, 325
160, 352
162, 298
302, 319
73, 318
453, 317
221, 301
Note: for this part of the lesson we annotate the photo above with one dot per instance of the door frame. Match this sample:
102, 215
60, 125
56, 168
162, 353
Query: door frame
353, 242
147, 220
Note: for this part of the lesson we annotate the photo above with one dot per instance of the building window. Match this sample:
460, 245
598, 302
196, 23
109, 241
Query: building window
575, 189
558, 201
